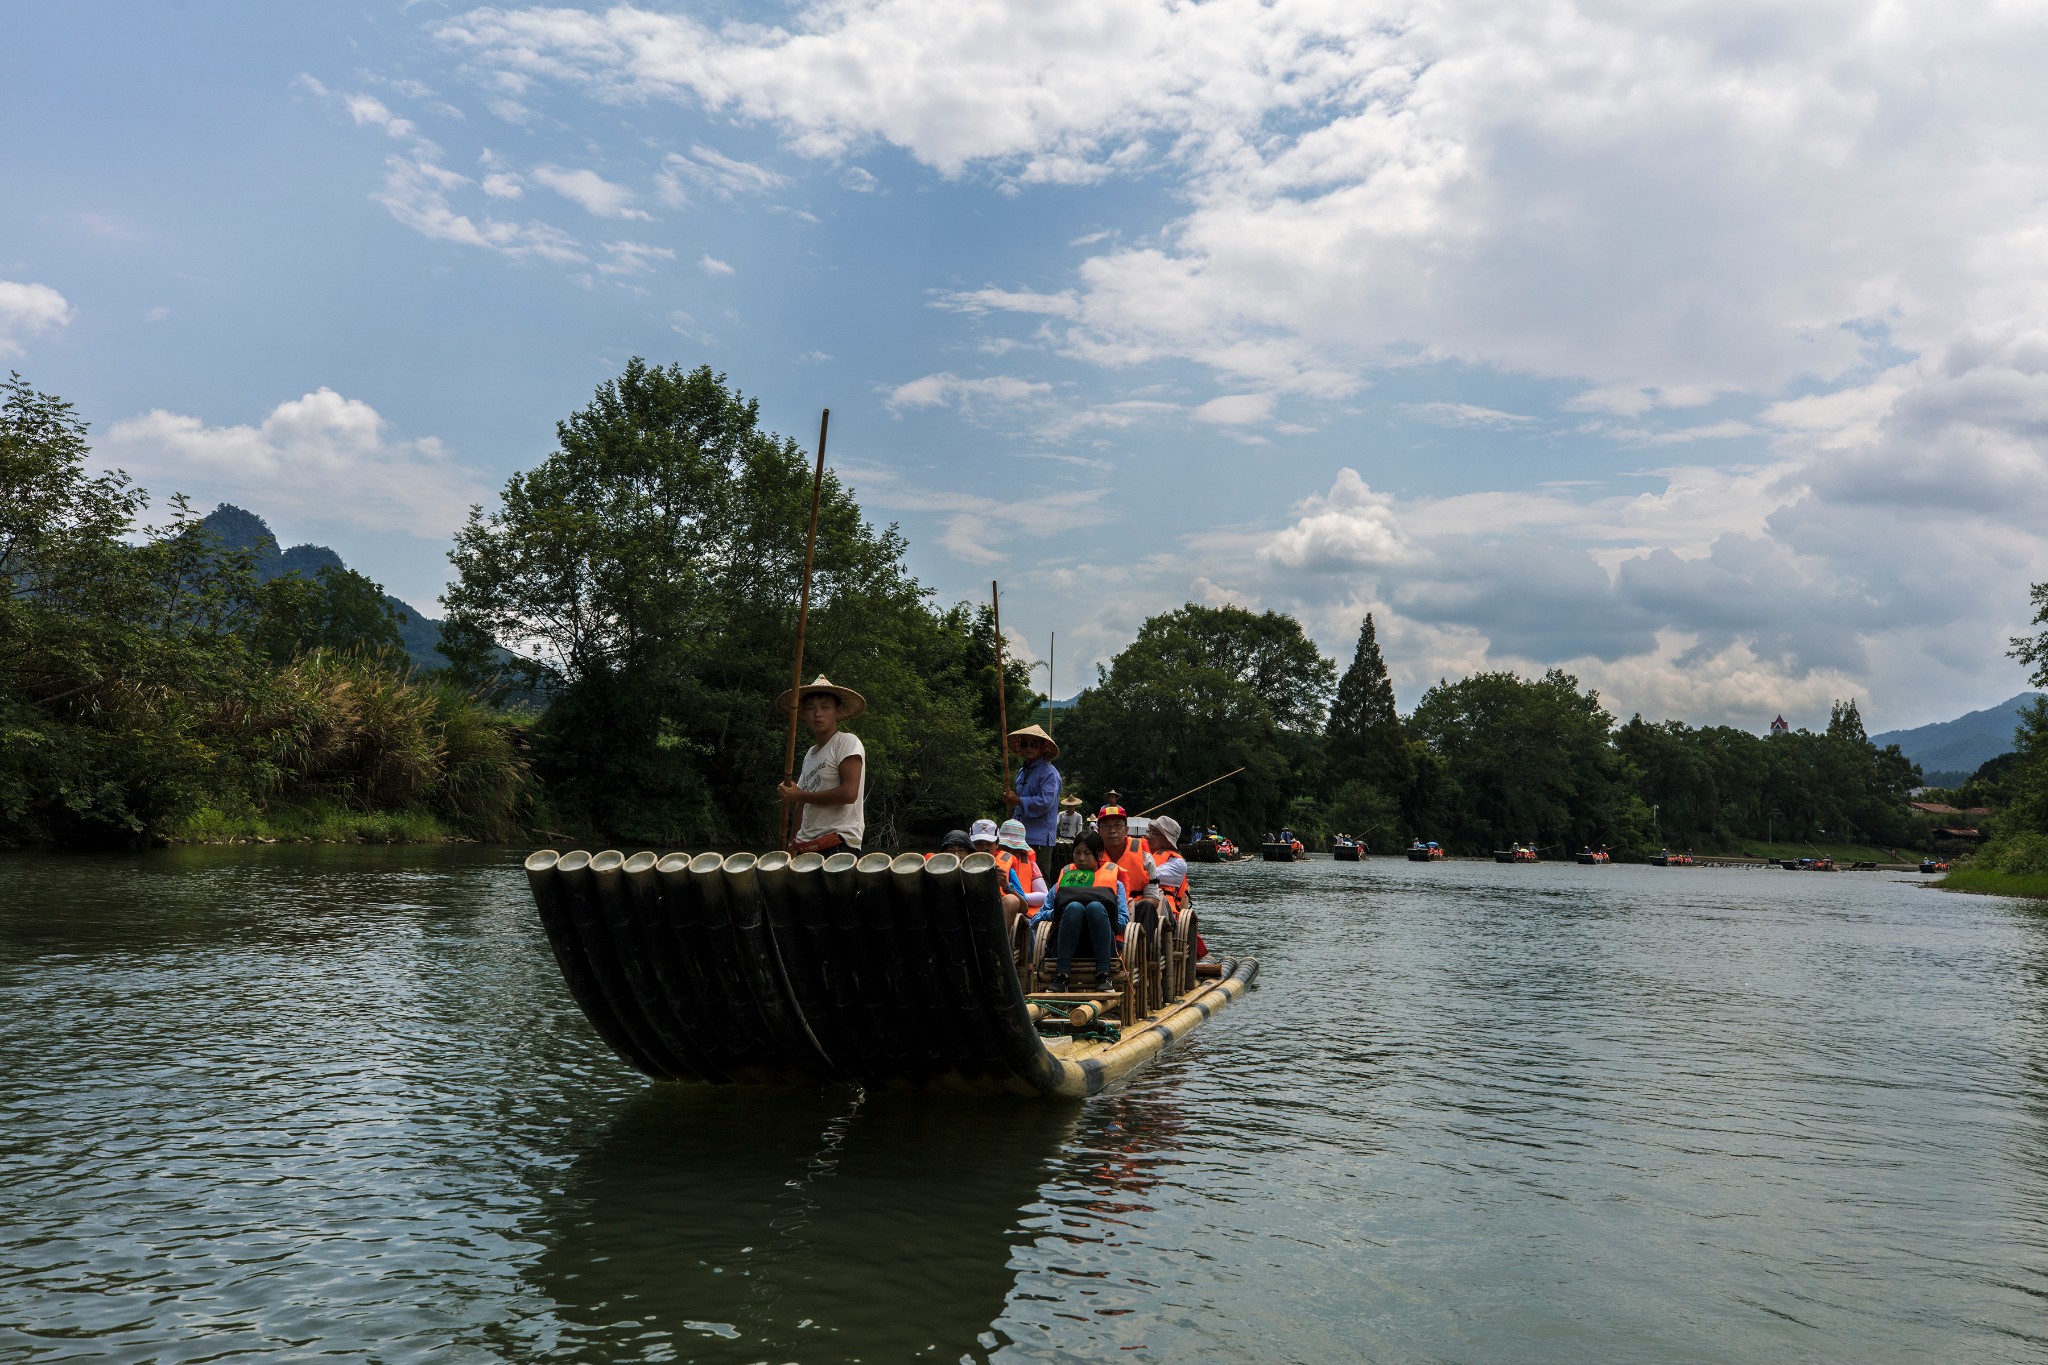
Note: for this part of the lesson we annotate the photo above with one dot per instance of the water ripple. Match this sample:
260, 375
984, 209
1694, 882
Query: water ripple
335, 1101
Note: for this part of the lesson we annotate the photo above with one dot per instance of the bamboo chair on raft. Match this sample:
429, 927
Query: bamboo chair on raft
1154, 963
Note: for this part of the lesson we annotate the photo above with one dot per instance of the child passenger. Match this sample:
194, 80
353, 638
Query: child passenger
1090, 896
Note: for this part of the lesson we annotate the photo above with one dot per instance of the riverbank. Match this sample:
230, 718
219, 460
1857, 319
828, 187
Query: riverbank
1985, 881
317, 822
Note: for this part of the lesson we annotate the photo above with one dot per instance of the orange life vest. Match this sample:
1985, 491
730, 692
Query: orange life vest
1026, 867
1175, 896
1133, 864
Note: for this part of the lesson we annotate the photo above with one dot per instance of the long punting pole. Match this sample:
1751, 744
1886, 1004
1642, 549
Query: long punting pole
803, 622
1002, 687
1192, 790
1051, 652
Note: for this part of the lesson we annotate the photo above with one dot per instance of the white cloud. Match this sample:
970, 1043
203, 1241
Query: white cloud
860, 181
976, 529
1465, 415
369, 111
633, 258
592, 192
711, 265
707, 166
415, 192
1236, 409
1668, 203
502, 185
321, 459
156, 314
29, 310
948, 389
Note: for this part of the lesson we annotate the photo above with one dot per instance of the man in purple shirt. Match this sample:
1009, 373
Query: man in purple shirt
1035, 796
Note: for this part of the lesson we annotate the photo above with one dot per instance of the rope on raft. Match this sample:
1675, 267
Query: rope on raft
1104, 1031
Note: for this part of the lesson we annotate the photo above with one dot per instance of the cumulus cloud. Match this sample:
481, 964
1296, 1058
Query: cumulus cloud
29, 310
320, 459
596, 195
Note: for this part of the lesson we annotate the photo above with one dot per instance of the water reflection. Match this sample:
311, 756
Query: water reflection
729, 1225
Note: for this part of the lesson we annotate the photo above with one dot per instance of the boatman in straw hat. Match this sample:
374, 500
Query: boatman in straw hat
1034, 797
831, 787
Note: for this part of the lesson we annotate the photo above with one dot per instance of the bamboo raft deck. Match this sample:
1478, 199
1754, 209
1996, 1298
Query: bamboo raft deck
890, 973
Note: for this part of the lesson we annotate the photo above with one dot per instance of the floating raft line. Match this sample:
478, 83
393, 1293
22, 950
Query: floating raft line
884, 972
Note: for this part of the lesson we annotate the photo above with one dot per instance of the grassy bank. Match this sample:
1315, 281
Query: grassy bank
1985, 881
316, 822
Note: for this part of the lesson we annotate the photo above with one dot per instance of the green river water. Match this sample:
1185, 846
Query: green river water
334, 1103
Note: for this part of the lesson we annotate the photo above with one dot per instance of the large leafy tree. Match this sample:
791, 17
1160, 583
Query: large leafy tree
645, 574
1524, 759
1201, 691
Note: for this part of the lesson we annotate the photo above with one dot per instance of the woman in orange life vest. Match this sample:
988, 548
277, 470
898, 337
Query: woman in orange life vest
1015, 855
1090, 897
1023, 888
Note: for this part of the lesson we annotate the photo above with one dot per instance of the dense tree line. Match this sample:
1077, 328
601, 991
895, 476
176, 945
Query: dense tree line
1481, 762
638, 587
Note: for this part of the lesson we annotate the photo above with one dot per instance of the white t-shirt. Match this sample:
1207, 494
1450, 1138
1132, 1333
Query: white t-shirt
821, 773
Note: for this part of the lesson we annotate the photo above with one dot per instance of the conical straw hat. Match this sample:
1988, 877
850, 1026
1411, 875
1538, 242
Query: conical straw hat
851, 703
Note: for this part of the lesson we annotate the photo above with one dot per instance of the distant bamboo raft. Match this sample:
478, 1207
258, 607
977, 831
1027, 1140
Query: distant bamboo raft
781, 970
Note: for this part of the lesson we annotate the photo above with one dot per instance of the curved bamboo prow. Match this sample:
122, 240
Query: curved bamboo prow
779, 969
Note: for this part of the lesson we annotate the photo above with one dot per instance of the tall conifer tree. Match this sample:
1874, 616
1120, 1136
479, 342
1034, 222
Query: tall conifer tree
1364, 740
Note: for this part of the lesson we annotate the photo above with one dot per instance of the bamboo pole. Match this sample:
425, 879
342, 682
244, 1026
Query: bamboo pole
803, 622
1192, 790
1002, 687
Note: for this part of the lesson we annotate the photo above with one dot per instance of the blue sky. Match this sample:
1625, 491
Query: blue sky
1701, 353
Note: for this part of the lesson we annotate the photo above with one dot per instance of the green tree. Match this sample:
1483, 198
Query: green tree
1365, 751
645, 574
1201, 691
336, 609
1525, 759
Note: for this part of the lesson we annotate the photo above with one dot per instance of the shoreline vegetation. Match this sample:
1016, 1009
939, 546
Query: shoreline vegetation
617, 628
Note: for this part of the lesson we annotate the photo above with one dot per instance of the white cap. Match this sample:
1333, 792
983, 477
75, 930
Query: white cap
1168, 826
982, 829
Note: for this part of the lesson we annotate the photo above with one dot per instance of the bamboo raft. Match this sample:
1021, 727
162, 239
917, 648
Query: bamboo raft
885, 972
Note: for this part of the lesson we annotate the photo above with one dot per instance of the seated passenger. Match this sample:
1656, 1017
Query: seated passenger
956, 843
985, 834
1090, 896
1169, 869
1015, 855
1136, 862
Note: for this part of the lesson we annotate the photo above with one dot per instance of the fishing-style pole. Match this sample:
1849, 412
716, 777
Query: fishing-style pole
1192, 790
803, 621
1002, 687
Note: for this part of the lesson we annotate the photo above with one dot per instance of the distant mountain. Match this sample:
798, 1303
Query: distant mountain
244, 530
1953, 749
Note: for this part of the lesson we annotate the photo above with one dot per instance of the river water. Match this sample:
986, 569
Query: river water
335, 1102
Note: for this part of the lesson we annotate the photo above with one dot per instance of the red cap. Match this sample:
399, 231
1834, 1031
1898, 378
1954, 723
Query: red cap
1112, 813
